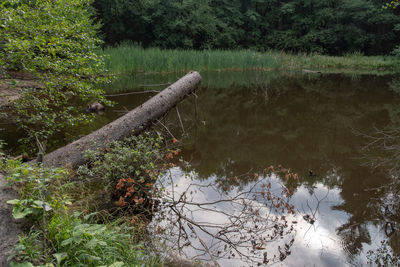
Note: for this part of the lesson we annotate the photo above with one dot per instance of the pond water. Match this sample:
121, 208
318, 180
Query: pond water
250, 121
313, 125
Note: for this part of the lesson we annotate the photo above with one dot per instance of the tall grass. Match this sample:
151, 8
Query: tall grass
210, 79
132, 58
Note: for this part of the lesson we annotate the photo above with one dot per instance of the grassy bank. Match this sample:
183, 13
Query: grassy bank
131, 58
96, 216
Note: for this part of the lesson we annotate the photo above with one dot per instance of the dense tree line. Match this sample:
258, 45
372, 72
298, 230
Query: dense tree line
325, 26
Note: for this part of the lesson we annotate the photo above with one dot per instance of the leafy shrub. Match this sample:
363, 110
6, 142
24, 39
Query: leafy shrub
74, 241
59, 237
130, 169
53, 41
41, 190
28, 250
81, 243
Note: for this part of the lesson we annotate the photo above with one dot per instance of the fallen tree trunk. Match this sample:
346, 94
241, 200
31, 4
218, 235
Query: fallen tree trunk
135, 122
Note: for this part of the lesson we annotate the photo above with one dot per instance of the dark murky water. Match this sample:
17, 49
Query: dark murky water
249, 121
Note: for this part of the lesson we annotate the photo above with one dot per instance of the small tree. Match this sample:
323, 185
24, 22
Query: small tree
54, 42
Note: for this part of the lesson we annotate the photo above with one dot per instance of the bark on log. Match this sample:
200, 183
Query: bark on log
135, 122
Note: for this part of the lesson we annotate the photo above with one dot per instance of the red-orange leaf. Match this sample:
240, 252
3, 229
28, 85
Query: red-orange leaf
121, 202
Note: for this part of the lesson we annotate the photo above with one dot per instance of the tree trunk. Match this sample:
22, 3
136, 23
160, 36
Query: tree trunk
135, 122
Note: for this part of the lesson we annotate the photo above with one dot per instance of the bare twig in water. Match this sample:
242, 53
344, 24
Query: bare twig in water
313, 212
388, 143
204, 245
180, 120
166, 128
227, 224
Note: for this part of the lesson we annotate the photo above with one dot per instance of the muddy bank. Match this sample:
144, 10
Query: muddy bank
10, 89
9, 228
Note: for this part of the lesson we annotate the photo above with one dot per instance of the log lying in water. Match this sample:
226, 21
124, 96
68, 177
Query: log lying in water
135, 122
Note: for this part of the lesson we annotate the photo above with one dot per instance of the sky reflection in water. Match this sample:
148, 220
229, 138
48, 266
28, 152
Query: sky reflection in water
303, 123
315, 244
249, 121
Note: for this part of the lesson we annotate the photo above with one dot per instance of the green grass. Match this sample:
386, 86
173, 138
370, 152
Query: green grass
73, 241
61, 234
128, 82
131, 58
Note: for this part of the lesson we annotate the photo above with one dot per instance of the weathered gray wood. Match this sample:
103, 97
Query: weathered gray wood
135, 121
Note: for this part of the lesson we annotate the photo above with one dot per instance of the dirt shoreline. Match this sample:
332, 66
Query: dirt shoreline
9, 227
10, 89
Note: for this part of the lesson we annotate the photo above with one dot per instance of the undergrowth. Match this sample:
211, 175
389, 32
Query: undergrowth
129, 171
67, 230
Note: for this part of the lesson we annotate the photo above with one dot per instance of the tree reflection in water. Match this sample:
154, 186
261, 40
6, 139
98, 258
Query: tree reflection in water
303, 122
383, 152
248, 223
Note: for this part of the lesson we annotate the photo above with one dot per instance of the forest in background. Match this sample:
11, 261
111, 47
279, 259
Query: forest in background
332, 27
56, 45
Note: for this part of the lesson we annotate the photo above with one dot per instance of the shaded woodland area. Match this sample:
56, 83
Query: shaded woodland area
333, 27
290, 136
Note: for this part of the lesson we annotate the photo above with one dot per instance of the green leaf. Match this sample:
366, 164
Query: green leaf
24, 264
117, 264
21, 212
13, 201
60, 257
41, 204
67, 242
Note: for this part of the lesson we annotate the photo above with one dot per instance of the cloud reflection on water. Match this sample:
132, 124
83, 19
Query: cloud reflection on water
239, 226
318, 244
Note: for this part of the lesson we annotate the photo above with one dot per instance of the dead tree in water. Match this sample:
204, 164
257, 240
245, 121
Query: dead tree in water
133, 122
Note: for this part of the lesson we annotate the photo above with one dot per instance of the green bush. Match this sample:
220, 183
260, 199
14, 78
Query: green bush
50, 36
42, 190
63, 237
81, 243
75, 241
129, 170
53, 41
